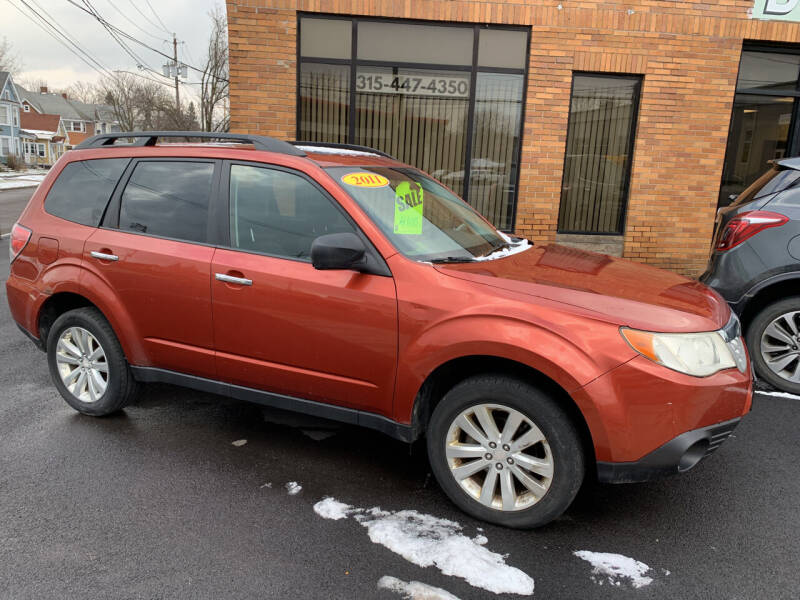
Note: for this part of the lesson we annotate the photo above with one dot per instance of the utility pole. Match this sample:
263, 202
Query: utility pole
177, 72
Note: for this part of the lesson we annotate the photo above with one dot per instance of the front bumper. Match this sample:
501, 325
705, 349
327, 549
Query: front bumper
676, 456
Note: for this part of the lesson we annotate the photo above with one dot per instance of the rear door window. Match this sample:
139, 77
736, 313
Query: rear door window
168, 199
83, 188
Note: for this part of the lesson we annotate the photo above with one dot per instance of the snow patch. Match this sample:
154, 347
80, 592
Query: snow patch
239, 443
293, 488
414, 590
339, 151
331, 508
616, 567
427, 541
779, 395
515, 248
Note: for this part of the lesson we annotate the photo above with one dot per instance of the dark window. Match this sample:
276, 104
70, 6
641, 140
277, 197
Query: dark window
82, 190
597, 166
278, 213
762, 119
168, 199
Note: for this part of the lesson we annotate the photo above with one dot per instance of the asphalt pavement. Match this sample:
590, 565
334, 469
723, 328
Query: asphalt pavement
158, 502
11, 204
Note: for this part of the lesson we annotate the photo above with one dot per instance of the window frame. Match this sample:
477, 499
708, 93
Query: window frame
625, 196
110, 219
472, 69
225, 223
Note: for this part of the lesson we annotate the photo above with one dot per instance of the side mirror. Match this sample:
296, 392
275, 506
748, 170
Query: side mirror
338, 251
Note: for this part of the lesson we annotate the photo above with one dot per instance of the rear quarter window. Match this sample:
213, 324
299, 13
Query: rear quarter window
83, 188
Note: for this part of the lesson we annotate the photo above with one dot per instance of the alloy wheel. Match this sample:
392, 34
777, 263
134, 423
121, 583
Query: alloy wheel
499, 457
82, 364
780, 346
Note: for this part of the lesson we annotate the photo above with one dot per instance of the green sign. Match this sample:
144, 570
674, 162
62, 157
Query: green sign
408, 208
779, 10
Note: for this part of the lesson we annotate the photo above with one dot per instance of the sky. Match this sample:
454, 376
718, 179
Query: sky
44, 58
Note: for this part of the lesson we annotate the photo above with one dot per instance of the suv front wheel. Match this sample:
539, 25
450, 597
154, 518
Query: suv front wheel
87, 364
505, 452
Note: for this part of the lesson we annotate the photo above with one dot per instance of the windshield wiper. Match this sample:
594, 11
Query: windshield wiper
452, 259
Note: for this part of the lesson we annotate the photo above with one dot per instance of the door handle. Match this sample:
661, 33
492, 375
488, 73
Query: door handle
104, 256
232, 279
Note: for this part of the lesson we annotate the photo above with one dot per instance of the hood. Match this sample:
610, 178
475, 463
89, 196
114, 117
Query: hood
619, 291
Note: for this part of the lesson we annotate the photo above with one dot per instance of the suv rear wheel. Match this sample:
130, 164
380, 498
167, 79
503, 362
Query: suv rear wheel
87, 364
505, 452
773, 339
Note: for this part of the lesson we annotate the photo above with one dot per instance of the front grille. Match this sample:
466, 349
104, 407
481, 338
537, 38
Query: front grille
719, 434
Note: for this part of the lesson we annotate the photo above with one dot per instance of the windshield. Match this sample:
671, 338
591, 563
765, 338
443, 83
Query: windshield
422, 219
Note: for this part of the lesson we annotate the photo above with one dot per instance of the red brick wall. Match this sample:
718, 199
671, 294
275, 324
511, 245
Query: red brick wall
688, 52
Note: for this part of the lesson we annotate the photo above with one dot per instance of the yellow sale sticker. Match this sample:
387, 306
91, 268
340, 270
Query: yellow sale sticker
368, 180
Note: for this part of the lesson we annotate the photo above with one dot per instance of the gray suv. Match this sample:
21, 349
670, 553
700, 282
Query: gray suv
755, 266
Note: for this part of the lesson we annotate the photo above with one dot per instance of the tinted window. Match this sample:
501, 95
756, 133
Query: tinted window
774, 180
278, 213
82, 190
168, 199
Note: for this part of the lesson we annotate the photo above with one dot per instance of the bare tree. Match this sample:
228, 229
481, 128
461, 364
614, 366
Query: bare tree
9, 59
83, 91
119, 92
214, 80
32, 84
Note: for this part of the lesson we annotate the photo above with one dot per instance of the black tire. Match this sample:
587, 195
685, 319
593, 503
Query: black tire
756, 329
121, 387
560, 432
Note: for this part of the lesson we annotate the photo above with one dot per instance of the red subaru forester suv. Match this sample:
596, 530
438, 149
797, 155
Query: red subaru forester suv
337, 281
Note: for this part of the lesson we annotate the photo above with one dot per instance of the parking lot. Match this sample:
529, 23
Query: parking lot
188, 495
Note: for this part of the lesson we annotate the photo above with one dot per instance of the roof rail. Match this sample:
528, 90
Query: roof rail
149, 138
344, 147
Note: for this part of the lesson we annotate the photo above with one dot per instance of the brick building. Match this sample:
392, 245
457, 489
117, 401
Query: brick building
618, 126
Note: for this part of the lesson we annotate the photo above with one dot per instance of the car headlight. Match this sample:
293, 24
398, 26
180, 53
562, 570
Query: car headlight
697, 354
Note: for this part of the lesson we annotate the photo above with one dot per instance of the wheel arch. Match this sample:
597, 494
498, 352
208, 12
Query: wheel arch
766, 294
444, 377
69, 298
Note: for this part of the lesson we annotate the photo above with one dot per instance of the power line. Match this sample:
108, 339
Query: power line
144, 16
156, 15
81, 54
111, 30
131, 21
132, 38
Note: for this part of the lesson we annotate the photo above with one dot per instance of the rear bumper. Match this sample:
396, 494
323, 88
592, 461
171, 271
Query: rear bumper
678, 455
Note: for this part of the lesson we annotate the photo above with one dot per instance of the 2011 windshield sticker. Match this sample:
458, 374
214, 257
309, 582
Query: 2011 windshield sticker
408, 208
368, 180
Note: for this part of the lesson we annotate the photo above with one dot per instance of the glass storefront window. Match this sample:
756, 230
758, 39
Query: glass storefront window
602, 119
410, 91
495, 143
759, 133
418, 116
326, 38
768, 71
324, 103
498, 48
403, 42
763, 126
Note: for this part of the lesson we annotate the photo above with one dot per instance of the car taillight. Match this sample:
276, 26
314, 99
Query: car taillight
745, 226
18, 240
